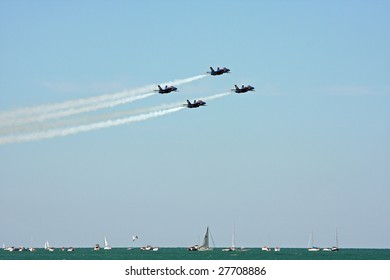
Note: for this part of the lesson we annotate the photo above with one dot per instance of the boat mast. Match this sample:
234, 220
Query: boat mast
234, 237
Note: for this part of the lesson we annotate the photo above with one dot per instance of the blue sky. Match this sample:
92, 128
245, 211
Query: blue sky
307, 151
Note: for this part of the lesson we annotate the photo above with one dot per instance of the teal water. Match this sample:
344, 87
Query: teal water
183, 254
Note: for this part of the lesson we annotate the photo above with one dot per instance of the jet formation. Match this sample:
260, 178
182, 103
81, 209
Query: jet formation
198, 103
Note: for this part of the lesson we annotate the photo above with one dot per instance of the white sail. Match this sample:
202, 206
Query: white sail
205, 244
233, 248
106, 246
48, 247
234, 238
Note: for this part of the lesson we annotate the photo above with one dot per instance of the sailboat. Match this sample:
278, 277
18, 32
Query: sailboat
233, 248
205, 244
48, 247
336, 248
8, 248
106, 246
310, 246
31, 249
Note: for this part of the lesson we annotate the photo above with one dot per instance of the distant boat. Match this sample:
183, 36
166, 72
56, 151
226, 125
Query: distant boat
97, 247
31, 248
7, 248
106, 246
233, 248
310, 246
277, 249
265, 248
149, 248
336, 248
48, 247
205, 244
70, 249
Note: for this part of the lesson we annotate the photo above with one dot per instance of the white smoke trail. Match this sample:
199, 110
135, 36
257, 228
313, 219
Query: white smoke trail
40, 131
81, 120
215, 96
78, 129
74, 111
70, 107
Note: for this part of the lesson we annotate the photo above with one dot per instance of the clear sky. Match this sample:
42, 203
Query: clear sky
308, 151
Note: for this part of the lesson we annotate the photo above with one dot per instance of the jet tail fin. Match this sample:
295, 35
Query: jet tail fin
236, 86
211, 68
159, 87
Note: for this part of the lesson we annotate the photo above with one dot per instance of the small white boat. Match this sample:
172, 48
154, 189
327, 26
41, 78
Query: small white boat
314, 249
193, 248
277, 249
97, 247
265, 248
310, 246
149, 248
70, 249
8, 248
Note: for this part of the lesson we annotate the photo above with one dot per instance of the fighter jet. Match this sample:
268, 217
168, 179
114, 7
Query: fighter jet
243, 88
219, 71
166, 89
196, 104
